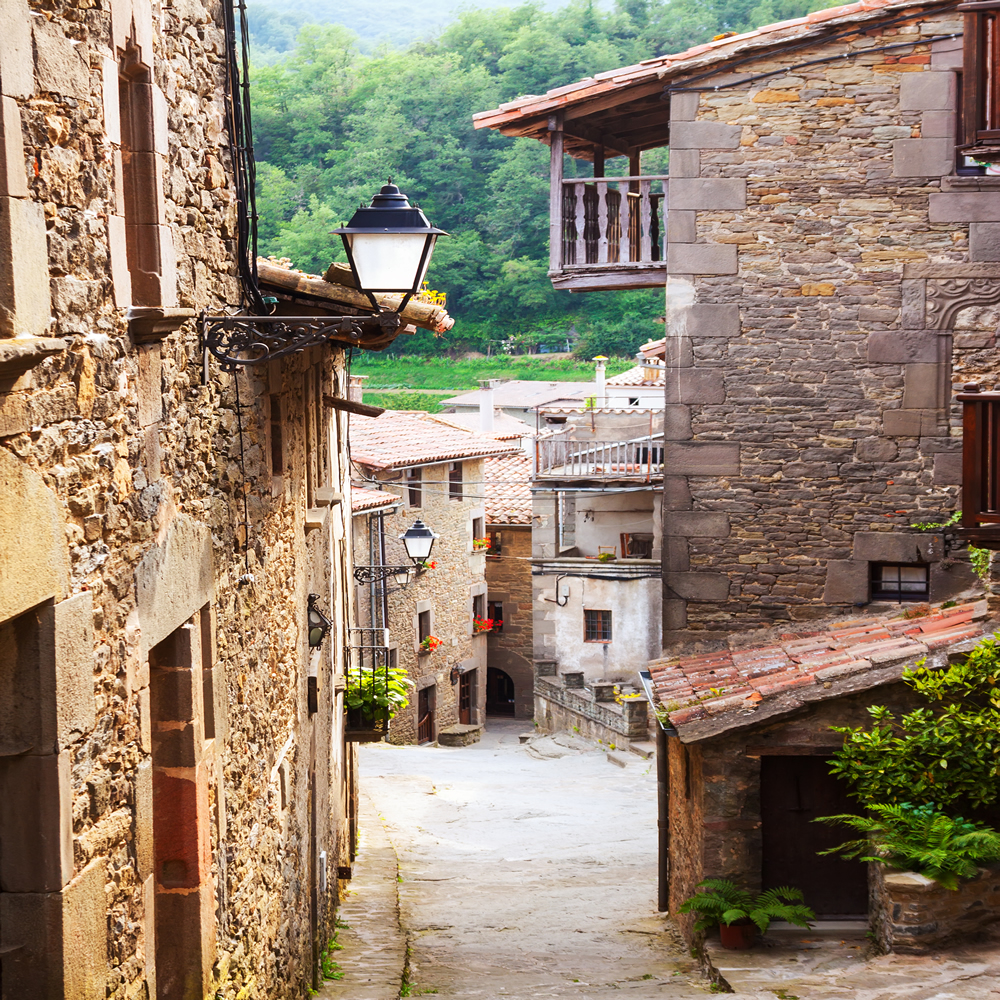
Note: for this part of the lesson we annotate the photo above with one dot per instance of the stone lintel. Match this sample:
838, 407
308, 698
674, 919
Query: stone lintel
898, 547
150, 324
21, 355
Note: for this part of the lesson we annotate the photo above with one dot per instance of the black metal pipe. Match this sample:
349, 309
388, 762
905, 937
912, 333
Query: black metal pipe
662, 821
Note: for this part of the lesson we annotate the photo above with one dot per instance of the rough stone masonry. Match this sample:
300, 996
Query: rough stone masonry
172, 812
831, 276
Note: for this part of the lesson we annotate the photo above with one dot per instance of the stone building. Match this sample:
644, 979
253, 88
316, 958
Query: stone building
829, 256
437, 472
509, 646
174, 785
749, 744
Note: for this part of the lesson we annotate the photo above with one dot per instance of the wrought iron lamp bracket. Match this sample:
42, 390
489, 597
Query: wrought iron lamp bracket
378, 574
252, 340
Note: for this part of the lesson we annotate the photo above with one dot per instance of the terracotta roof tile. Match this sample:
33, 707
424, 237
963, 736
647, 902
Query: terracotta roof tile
400, 438
508, 489
710, 693
363, 499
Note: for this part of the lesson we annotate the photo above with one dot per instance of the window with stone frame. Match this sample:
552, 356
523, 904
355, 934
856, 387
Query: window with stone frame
496, 543
455, 481
896, 582
494, 610
478, 606
423, 625
413, 491
596, 626
979, 136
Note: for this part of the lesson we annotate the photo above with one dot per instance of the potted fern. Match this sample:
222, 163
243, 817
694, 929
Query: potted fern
740, 914
919, 839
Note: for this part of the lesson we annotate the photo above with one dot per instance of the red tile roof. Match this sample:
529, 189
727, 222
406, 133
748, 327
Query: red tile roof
712, 693
365, 500
505, 427
401, 438
699, 57
508, 491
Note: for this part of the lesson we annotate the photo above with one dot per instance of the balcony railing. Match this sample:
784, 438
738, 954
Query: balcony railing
367, 679
611, 232
980, 467
599, 443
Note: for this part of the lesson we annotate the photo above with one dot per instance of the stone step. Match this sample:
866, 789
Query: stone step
617, 760
644, 749
459, 735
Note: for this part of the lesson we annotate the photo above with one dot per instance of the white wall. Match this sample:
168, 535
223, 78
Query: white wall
601, 518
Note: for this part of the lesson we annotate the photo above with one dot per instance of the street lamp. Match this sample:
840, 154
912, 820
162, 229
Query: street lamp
389, 246
319, 624
418, 540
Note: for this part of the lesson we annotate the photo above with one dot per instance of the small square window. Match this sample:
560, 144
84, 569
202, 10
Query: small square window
596, 626
495, 548
891, 582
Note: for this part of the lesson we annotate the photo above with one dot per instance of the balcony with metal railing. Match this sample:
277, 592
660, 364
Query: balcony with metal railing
598, 445
368, 679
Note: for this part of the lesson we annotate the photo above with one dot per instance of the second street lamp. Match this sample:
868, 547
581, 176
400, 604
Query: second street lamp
418, 540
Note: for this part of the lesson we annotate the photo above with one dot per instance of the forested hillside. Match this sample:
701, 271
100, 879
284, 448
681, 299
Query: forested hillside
331, 123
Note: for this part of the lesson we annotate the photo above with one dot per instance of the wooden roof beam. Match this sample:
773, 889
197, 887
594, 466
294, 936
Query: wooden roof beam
613, 145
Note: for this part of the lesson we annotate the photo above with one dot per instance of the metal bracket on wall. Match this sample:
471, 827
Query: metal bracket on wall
253, 340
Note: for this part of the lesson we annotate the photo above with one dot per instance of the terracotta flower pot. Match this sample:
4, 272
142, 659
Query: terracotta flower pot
737, 936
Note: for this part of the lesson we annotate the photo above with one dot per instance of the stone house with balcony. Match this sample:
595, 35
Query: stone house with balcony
596, 486
436, 474
828, 249
175, 792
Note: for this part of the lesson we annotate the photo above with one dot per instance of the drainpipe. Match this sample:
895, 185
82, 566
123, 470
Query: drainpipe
662, 800
486, 405
602, 394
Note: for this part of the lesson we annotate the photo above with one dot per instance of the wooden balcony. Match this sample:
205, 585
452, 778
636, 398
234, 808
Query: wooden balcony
608, 233
980, 523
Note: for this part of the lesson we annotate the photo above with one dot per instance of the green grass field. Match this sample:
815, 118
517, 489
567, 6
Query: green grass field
419, 373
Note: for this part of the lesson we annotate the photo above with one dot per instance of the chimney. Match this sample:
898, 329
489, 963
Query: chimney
356, 388
486, 405
602, 394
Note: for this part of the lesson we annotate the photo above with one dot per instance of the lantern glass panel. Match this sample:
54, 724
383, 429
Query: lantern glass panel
418, 546
390, 262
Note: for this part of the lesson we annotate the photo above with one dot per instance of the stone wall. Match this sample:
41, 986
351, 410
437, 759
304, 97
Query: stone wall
445, 591
914, 915
508, 578
558, 707
155, 562
830, 277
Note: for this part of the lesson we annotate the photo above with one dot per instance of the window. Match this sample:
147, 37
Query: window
495, 548
638, 545
413, 487
980, 100
455, 481
423, 625
478, 527
596, 626
633, 401
899, 583
479, 606
494, 610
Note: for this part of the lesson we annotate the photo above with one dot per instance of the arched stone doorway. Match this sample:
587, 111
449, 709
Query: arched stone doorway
499, 692
517, 691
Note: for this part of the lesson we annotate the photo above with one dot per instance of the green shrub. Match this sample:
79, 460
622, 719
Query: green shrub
948, 753
725, 903
380, 689
916, 838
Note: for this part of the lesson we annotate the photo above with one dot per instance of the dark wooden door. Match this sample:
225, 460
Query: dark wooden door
425, 715
499, 692
465, 698
794, 791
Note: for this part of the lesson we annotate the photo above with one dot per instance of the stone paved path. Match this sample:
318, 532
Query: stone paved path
530, 872
527, 872
374, 946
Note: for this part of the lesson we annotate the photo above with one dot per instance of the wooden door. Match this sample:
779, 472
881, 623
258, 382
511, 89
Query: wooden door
793, 792
425, 715
465, 698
